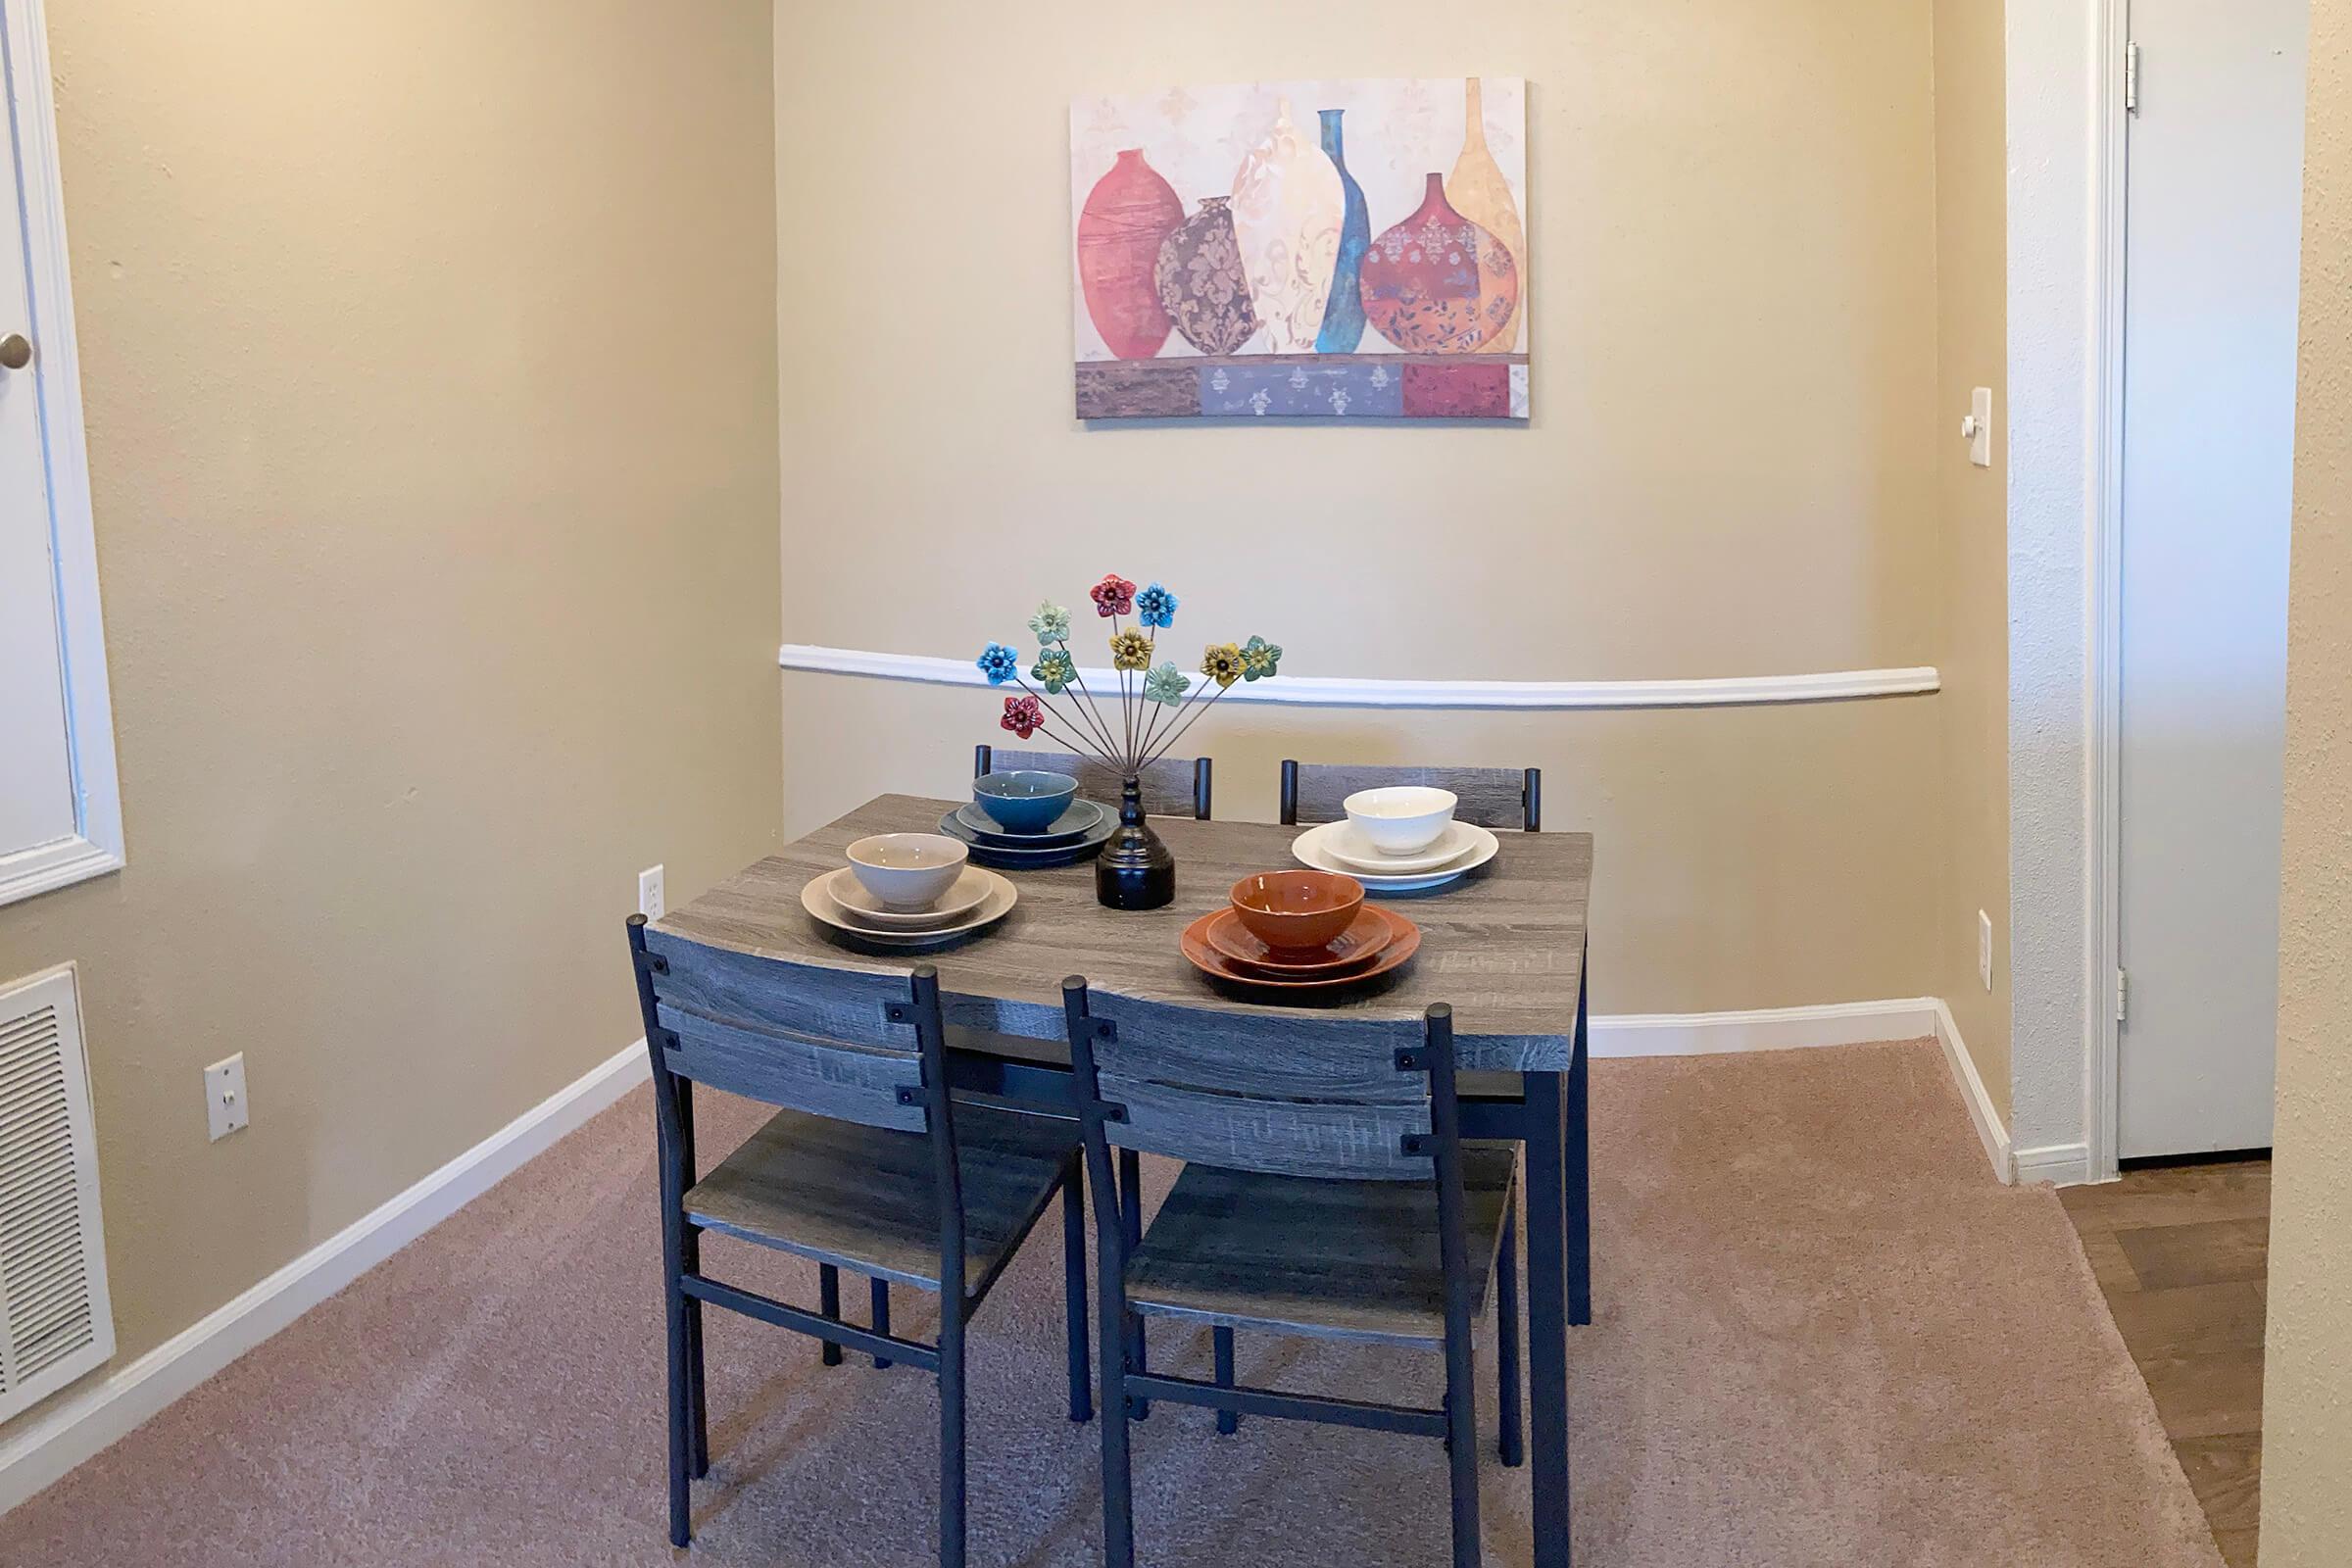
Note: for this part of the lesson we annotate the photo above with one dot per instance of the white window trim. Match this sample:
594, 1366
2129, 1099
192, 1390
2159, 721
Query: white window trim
96, 847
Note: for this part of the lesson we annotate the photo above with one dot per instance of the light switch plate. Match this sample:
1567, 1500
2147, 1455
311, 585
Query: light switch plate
648, 893
1984, 948
1980, 435
224, 1107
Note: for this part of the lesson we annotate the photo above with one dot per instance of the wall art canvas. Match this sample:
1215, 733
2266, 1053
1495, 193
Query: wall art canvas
1310, 248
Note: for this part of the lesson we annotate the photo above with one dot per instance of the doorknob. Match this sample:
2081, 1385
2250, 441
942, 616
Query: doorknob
16, 352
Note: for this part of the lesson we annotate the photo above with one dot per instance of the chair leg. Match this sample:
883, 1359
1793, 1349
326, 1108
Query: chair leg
1119, 1495
1506, 1339
697, 1428
1461, 1453
1228, 1421
881, 1298
1131, 1218
828, 1301
681, 1447
951, 1440
1073, 1296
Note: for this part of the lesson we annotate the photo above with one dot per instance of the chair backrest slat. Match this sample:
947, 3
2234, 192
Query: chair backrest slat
828, 1042
823, 1077
1298, 1095
1337, 1139
1326, 1058
1172, 786
781, 996
1509, 797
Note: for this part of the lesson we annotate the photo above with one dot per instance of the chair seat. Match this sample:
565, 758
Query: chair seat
866, 1198
1341, 1259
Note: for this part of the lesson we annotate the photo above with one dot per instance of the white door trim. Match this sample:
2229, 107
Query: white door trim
2112, 144
97, 847
2064, 74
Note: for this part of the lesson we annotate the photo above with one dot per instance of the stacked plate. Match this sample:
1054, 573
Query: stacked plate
1077, 834
1377, 942
977, 897
1343, 846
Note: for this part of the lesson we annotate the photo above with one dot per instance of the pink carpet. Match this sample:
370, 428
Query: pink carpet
1826, 1337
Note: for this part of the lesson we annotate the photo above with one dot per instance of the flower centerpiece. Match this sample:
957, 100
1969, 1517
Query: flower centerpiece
1126, 730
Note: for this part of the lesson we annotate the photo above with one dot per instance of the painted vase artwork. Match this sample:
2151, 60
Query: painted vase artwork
1202, 283
1342, 325
1315, 249
1287, 204
1127, 215
1438, 284
1477, 190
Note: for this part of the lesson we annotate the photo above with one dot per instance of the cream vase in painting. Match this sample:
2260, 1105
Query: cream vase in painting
1288, 205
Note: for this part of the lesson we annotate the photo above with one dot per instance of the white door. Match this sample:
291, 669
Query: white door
36, 782
2215, 194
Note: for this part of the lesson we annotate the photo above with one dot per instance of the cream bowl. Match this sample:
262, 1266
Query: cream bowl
1400, 819
908, 871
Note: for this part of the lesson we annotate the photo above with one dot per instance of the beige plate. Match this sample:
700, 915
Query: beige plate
818, 899
860, 907
1308, 849
1352, 850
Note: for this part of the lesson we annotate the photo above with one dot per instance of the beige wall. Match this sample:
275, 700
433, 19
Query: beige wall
1972, 521
1731, 470
2307, 1415
430, 358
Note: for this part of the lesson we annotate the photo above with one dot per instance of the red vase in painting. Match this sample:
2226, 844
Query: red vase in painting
1438, 284
1128, 214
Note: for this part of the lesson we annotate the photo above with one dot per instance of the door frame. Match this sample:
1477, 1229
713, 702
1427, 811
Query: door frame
98, 848
2103, 1064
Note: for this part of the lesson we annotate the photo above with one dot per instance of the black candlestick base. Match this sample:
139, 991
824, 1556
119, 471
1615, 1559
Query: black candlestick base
1134, 871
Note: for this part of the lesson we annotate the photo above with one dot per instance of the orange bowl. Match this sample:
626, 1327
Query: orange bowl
1298, 911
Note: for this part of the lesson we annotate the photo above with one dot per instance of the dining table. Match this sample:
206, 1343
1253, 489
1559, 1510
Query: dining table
1506, 946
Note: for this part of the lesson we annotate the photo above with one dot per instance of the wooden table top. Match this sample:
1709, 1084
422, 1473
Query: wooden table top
1504, 946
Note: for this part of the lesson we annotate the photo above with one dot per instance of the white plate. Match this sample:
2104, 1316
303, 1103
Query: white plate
817, 899
1352, 850
858, 905
1312, 849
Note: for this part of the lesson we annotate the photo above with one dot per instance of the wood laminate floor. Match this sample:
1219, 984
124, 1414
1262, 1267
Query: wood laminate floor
2182, 1252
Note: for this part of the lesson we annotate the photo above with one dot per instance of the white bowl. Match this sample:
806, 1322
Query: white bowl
1400, 819
908, 871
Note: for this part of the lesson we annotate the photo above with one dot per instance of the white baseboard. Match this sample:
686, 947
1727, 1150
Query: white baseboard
50, 1441
2060, 1164
1706, 1034
1989, 1130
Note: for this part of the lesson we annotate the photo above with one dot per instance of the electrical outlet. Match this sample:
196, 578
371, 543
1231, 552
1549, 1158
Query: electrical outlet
1984, 948
224, 1107
648, 893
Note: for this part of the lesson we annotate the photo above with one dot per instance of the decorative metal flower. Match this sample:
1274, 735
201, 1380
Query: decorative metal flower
1054, 671
1051, 623
1259, 658
998, 663
1114, 595
1023, 715
1131, 650
1222, 663
1166, 684
1155, 606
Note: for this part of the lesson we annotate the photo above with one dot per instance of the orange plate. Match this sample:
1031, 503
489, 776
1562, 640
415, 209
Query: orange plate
1404, 940
1243, 946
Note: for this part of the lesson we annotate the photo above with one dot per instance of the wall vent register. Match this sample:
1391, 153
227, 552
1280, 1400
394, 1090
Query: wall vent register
55, 1320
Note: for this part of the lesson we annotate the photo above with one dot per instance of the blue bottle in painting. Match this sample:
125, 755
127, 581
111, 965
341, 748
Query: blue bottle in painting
1343, 317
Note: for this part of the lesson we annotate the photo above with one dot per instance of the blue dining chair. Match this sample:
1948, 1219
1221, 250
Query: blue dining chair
1327, 1192
870, 1165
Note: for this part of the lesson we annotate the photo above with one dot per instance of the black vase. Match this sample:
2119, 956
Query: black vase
1134, 871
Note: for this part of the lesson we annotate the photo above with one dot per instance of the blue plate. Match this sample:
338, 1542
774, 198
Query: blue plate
1073, 824
994, 852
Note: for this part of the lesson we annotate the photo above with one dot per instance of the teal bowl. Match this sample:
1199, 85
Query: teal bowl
1025, 801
